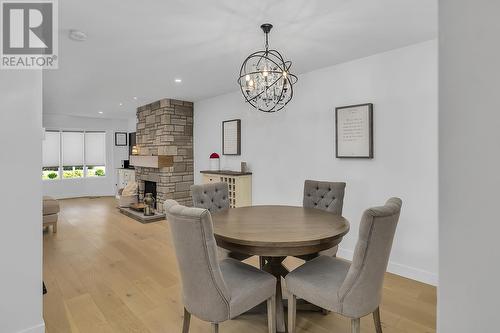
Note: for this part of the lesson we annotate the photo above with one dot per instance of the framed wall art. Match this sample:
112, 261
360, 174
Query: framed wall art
231, 137
354, 131
121, 139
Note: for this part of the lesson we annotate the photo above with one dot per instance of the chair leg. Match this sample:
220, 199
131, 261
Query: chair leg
185, 323
215, 328
292, 312
376, 320
355, 326
271, 314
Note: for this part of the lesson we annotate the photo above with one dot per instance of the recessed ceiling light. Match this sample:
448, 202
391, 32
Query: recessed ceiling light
178, 80
100, 112
135, 98
121, 104
77, 35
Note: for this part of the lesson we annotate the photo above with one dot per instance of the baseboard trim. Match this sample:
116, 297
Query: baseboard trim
84, 197
40, 328
399, 269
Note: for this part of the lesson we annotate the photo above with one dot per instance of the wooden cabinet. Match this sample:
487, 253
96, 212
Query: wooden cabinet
239, 183
124, 177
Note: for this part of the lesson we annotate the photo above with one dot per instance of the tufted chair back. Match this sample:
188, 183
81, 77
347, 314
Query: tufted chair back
213, 196
205, 294
328, 196
361, 291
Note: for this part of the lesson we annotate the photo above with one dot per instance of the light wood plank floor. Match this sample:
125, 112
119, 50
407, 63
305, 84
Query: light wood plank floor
108, 273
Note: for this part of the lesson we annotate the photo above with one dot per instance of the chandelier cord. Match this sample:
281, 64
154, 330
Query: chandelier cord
267, 42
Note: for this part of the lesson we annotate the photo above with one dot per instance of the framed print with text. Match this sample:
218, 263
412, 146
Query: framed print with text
354, 131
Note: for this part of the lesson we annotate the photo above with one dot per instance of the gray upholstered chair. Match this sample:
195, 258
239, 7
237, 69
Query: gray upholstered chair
212, 196
353, 290
215, 198
214, 291
327, 196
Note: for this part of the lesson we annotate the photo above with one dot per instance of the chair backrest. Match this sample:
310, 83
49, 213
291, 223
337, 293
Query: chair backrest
205, 293
212, 196
328, 196
361, 290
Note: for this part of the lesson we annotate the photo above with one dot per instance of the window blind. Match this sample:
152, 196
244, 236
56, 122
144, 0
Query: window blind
72, 148
95, 148
51, 148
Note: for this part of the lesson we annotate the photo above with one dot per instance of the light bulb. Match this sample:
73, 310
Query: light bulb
247, 77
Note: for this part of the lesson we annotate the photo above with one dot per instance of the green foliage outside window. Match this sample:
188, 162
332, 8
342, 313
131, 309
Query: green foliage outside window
96, 171
72, 172
50, 173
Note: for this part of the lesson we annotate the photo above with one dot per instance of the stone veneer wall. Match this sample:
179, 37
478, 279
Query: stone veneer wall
165, 127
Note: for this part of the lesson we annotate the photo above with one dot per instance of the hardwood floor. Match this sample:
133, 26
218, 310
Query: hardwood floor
108, 273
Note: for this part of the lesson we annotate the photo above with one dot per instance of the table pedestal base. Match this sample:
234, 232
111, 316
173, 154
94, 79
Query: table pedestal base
274, 266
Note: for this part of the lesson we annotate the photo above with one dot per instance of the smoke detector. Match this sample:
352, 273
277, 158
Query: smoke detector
77, 35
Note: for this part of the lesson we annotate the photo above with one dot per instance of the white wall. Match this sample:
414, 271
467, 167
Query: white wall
98, 186
132, 124
297, 143
469, 164
21, 202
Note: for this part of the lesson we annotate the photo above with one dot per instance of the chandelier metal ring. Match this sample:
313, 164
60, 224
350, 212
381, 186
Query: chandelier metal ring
265, 79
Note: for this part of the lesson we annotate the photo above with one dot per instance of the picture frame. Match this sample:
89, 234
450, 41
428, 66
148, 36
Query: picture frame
231, 137
121, 139
354, 131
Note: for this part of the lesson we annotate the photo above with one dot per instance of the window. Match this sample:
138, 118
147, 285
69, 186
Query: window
72, 172
73, 154
96, 171
95, 154
50, 152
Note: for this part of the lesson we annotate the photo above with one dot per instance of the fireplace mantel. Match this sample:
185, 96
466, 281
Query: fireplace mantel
157, 161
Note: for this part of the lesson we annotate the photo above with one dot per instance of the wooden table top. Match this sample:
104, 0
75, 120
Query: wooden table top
278, 230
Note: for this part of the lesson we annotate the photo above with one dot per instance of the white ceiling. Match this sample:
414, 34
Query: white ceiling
137, 48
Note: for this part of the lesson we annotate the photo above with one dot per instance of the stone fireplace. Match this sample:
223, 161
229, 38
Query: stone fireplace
165, 127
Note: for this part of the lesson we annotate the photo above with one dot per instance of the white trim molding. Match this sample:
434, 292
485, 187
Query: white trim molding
399, 269
40, 328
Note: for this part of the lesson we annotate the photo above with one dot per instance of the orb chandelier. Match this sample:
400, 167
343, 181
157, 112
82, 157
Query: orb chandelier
265, 79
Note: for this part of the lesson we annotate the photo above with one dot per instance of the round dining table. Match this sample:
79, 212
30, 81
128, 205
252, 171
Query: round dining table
275, 232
